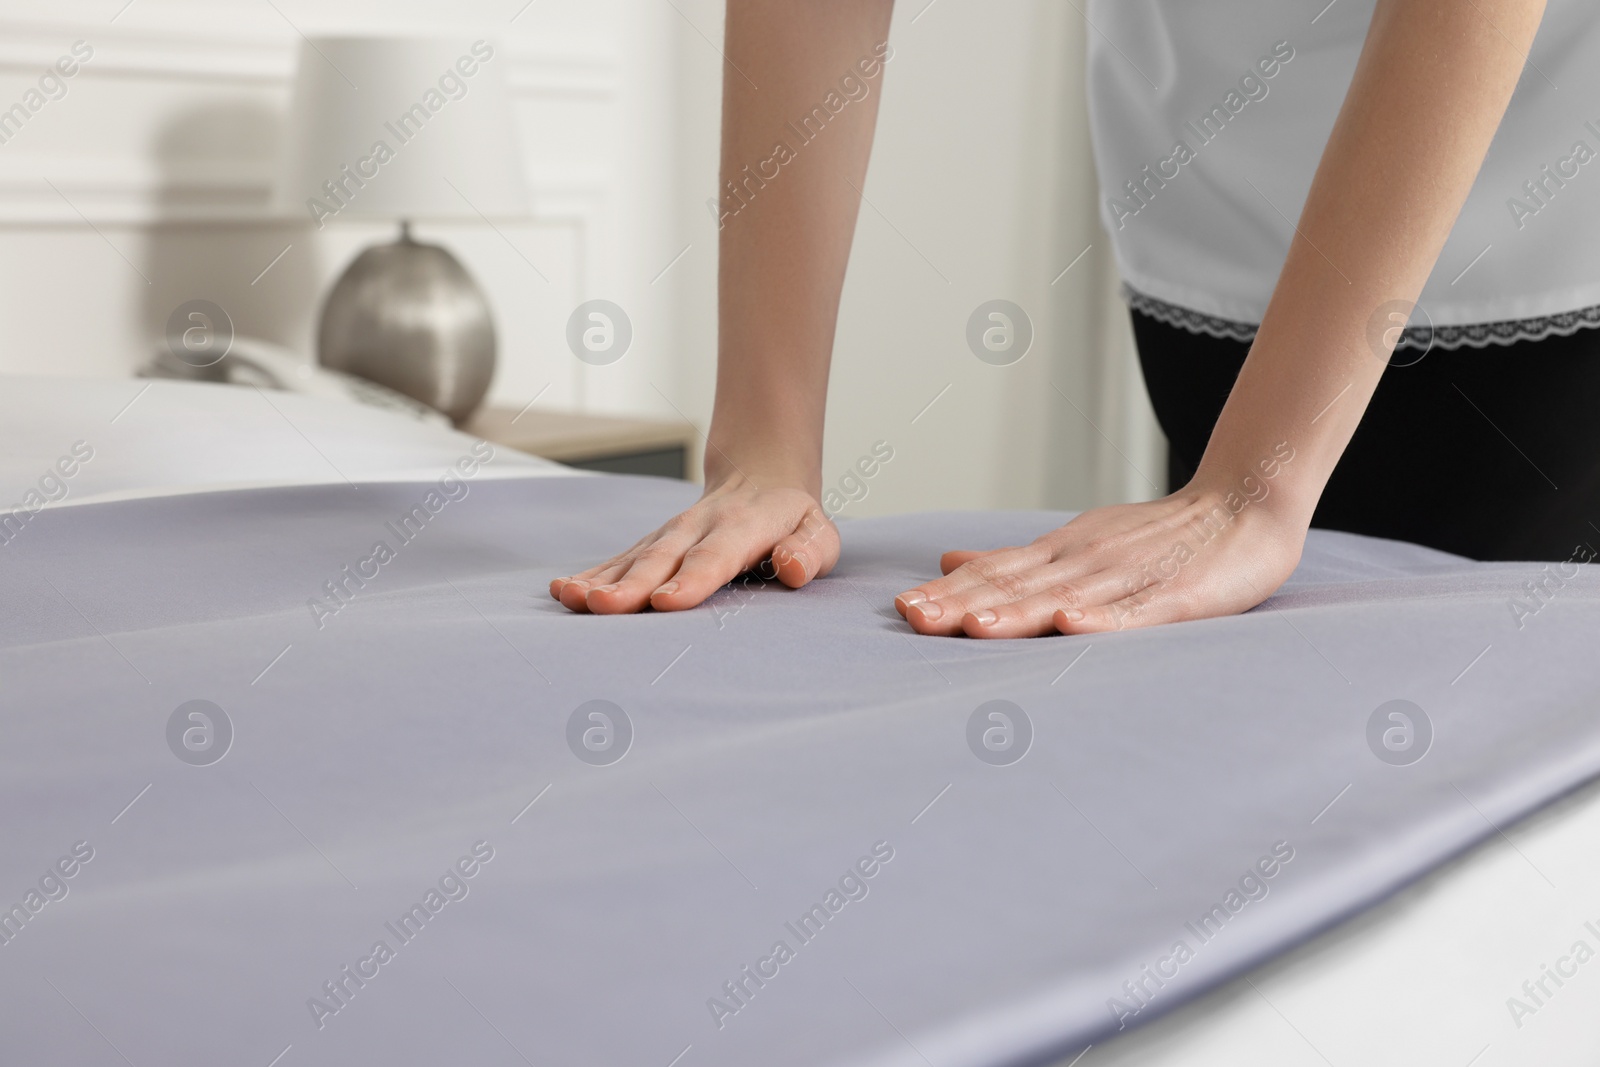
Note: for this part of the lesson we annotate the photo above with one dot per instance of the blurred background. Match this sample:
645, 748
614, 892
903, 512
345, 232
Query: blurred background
148, 183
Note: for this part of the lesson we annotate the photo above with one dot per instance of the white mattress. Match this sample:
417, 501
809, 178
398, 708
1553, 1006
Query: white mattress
157, 437
1422, 979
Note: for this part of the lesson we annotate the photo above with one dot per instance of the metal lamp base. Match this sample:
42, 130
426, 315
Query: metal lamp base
408, 315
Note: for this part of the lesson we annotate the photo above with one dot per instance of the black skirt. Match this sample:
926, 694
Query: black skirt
1492, 453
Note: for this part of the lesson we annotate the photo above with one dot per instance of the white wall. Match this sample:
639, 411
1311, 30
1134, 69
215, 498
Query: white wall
162, 152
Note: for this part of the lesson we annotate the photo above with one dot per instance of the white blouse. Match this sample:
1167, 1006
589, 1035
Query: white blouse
1209, 118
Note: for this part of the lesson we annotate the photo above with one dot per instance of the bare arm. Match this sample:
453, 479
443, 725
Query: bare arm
800, 101
783, 254
1432, 84
1428, 94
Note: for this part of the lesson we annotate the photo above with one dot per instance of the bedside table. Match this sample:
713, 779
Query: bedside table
617, 444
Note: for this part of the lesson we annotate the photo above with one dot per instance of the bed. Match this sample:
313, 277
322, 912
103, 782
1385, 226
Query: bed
243, 748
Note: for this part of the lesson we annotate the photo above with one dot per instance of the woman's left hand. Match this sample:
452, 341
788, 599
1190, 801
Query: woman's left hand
1197, 553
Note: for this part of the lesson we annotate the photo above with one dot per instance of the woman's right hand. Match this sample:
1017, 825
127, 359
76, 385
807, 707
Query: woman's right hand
733, 528
777, 310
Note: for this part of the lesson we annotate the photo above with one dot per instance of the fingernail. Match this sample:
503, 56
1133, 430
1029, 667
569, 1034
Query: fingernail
905, 600
984, 618
1071, 614
930, 610
666, 590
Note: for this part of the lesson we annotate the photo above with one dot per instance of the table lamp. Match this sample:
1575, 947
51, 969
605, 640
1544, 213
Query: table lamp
404, 129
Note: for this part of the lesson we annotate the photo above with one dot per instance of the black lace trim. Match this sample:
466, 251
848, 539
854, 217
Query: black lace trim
1473, 335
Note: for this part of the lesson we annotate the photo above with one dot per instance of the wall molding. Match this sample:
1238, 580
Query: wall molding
61, 188
555, 68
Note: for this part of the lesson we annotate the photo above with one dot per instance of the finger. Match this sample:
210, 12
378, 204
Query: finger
706, 567
951, 560
630, 589
1150, 606
983, 569
626, 586
945, 602
1084, 542
1067, 582
571, 591
810, 551
603, 573
1035, 615
556, 584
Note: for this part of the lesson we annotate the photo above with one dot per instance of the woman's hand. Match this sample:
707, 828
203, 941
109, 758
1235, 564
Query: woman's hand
1198, 553
733, 528
1357, 247
777, 307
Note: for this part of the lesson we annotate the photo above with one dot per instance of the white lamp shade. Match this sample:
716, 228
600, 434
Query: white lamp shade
400, 128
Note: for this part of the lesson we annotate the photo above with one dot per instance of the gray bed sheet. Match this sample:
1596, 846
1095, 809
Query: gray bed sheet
419, 765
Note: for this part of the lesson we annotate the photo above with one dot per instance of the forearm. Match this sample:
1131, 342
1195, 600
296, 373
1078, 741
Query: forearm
788, 202
1433, 81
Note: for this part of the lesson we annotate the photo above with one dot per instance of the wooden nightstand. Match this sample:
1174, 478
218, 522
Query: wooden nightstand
614, 443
